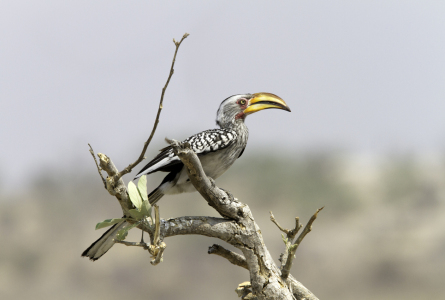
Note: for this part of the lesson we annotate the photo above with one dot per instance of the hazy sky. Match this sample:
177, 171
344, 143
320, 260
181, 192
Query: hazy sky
364, 76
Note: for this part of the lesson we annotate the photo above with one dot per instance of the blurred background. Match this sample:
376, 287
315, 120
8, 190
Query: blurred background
366, 139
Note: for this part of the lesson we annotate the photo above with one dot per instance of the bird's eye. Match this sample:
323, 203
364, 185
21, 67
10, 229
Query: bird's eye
242, 102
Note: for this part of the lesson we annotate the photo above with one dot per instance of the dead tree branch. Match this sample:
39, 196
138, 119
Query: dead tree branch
289, 233
115, 188
98, 168
265, 276
238, 229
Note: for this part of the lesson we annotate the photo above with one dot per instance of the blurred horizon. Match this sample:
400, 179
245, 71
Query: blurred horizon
381, 233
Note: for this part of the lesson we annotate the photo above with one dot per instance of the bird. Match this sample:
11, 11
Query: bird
217, 150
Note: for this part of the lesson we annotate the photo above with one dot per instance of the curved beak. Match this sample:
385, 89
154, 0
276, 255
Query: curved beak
262, 101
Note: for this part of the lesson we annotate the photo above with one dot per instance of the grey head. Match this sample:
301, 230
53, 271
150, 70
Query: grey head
234, 109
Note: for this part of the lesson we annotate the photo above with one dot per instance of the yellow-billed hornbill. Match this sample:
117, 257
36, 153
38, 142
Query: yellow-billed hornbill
217, 150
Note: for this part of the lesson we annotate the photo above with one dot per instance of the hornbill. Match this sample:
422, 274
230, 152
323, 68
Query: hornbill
217, 150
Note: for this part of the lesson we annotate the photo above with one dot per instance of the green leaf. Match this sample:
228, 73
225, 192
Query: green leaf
135, 214
146, 208
108, 222
134, 195
122, 234
142, 187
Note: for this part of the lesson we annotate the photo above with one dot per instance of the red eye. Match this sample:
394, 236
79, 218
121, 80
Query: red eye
242, 102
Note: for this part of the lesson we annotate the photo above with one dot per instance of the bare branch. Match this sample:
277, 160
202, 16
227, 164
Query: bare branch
289, 233
299, 290
307, 228
141, 157
223, 229
97, 165
115, 188
265, 276
242, 233
155, 251
292, 249
272, 218
234, 258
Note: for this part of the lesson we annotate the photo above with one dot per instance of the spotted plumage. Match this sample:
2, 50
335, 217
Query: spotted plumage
202, 143
217, 150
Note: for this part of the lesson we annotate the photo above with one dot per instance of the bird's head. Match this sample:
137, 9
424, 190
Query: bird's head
235, 108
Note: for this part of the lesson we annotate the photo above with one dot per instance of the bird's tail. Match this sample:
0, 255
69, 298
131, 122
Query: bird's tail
105, 242
155, 195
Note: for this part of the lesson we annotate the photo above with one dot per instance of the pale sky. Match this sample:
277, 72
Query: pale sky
362, 76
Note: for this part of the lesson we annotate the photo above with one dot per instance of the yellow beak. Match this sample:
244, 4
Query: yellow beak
262, 101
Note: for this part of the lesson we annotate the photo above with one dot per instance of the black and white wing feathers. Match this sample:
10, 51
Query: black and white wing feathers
211, 140
202, 143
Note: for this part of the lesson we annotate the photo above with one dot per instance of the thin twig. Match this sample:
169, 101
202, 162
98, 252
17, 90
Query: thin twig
290, 233
97, 165
234, 258
141, 157
307, 228
292, 249
157, 225
294, 231
137, 244
272, 218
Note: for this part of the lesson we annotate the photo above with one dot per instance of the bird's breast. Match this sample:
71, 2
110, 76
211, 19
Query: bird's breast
216, 163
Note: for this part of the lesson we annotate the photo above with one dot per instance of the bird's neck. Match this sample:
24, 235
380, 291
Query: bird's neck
238, 126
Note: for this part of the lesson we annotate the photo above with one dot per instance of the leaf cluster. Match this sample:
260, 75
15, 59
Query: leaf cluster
141, 212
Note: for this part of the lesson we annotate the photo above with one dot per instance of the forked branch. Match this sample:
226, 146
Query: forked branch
289, 233
266, 280
244, 234
293, 248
